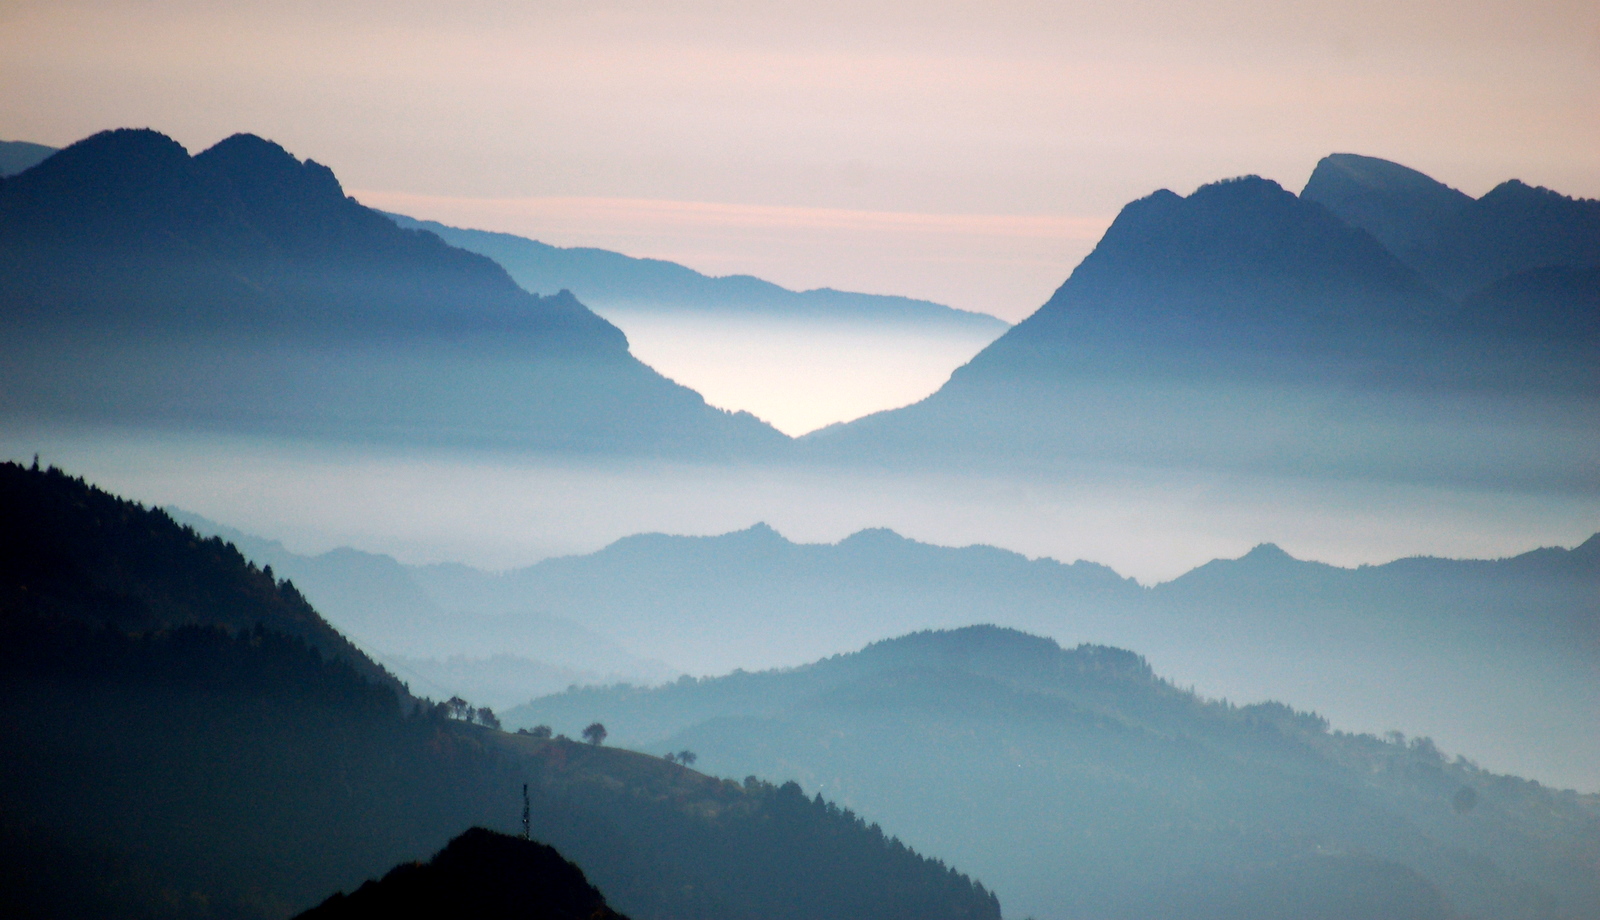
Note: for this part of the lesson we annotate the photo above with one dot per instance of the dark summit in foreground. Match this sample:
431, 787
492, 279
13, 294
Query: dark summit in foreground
482, 875
185, 737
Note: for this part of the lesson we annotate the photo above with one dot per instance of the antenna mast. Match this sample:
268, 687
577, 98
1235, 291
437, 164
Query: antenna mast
525, 811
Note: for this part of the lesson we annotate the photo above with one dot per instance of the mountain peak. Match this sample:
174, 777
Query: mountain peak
761, 531
1398, 205
259, 167
1267, 553
1239, 265
481, 874
875, 536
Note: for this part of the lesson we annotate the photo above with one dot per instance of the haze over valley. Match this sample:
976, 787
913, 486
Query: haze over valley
698, 462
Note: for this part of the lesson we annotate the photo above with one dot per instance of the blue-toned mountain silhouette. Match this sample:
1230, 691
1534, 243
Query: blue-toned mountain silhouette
1502, 655
186, 738
1081, 784
239, 289
1458, 243
16, 156
1245, 328
604, 279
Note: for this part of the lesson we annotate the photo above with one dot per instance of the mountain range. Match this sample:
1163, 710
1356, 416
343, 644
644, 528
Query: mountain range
1378, 325
186, 738
1457, 243
1500, 657
610, 281
240, 290
1080, 784
1244, 328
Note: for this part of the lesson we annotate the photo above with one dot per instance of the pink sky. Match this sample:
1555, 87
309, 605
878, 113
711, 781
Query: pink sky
962, 152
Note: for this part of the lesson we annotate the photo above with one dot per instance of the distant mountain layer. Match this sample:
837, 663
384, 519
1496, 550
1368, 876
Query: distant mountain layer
1082, 785
178, 746
606, 280
1458, 243
1497, 657
1246, 329
445, 629
240, 289
16, 156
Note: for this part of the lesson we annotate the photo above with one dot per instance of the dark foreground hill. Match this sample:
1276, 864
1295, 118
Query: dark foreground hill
241, 290
1081, 785
82, 559
480, 874
162, 762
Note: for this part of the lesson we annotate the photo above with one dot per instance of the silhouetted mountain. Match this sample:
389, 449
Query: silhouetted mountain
1084, 786
1499, 656
446, 629
1239, 273
480, 874
1243, 329
162, 763
19, 156
1457, 243
72, 554
753, 599
610, 280
1402, 208
240, 289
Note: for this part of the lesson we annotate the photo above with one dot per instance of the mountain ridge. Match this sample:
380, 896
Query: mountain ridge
240, 289
609, 279
1128, 795
212, 766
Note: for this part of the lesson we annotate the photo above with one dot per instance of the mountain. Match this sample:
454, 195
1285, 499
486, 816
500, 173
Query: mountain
79, 557
754, 599
17, 156
446, 629
1458, 243
479, 874
608, 281
1499, 656
163, 762
240, 290
1082, 785
1244, 330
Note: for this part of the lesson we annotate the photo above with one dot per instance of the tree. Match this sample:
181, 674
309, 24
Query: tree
670, 758
687, 758
458, 708
487, 718
595, 733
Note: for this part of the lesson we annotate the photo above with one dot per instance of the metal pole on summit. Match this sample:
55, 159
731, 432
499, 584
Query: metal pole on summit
525, 811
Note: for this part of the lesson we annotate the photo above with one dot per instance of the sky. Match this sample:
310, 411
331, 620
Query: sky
968, 153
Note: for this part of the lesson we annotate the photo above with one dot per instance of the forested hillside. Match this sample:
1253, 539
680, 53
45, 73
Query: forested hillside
176, 748
1080, 784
